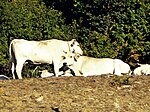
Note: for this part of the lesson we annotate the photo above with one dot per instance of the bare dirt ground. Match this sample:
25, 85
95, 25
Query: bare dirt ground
76, 94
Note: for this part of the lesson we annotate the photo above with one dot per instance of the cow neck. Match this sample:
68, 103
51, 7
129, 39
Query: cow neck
69, 47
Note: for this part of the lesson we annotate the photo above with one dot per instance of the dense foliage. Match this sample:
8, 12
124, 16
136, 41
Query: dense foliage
104, 28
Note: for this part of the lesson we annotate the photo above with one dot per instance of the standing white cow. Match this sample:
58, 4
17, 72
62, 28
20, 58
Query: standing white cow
143, 69
46, 51
88, 66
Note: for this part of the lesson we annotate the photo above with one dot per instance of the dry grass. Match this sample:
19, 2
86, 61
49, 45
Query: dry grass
76, 94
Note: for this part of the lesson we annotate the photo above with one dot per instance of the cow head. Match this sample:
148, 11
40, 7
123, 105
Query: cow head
75, 47
70, 58
67, 58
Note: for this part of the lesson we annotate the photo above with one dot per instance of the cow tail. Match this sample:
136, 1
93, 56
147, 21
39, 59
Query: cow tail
114, 66
11, 52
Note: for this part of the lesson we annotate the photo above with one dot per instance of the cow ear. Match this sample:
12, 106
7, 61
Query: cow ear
72, 42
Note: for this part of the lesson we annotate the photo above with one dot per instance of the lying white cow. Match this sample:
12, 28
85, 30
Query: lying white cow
143, 69
146, 71
88, 66
64, 71
121, 67
3, 77
46, 51
45, 74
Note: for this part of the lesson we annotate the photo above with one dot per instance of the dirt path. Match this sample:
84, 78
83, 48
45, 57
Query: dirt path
75, 94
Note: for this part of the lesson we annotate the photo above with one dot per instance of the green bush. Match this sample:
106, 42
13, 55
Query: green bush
122, 80
30, 20
104, 28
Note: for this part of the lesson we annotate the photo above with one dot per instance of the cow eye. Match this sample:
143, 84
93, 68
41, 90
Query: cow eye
70, 56
71, 45
64, 57
73, 51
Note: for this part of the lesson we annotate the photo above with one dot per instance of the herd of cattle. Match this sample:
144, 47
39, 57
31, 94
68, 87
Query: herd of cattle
67, 59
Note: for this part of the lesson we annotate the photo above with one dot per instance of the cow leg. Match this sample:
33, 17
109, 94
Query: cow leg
19, 67
13, 69
56, 69
76, 71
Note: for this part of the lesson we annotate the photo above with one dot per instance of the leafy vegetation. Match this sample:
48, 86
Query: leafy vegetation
122, 80
104, 28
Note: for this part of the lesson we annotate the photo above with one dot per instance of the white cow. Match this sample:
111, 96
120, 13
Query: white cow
88, 66
46, 51
3, 77
45, 74
146, 71
143, 69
